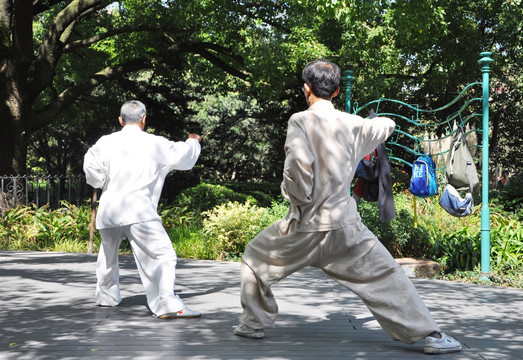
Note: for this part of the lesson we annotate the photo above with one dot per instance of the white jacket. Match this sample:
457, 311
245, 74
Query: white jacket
130, 166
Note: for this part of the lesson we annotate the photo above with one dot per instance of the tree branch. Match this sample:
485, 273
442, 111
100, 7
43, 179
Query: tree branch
73, 45
223, 50
22, 36
202, 50
39, 6
52, 43
68, 96
265, 20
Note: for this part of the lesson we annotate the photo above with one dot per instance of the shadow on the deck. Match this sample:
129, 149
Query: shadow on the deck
48, 312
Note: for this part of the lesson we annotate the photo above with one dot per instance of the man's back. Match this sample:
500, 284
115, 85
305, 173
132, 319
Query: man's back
134, 165
323, 148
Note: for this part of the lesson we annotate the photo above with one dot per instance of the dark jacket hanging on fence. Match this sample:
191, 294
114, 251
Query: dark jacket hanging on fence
378, 183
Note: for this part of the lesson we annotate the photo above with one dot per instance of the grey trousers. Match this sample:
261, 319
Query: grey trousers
353, 256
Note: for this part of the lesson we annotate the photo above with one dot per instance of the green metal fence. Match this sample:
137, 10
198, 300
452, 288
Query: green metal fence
428, 130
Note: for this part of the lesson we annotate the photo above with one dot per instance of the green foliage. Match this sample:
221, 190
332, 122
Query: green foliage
399, 236
265, 194
204, 197
223, 232
510, 198
232, 69
497, 277
226, 230
230, 227
506, 238
242, 137
40, 229
276, 211
454, 242
458, 250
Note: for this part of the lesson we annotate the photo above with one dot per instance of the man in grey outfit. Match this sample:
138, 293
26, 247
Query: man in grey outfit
323, 228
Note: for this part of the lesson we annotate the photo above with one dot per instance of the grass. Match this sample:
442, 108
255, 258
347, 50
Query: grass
507, 278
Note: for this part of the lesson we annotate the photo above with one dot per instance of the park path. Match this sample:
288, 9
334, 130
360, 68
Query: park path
47, 312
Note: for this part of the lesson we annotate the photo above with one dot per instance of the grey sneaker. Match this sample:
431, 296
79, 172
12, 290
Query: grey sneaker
247, 332
185, 313
447, 344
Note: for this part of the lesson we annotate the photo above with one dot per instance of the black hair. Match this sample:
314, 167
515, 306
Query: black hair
323, 77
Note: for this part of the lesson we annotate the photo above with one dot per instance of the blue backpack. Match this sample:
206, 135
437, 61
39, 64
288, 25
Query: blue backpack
423, 182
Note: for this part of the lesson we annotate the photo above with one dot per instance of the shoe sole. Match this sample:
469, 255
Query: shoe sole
443, 351
170, 317
249, 335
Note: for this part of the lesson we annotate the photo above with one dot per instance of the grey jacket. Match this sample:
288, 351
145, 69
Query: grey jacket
322, 149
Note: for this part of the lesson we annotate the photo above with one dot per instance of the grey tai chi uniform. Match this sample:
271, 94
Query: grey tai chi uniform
323, 227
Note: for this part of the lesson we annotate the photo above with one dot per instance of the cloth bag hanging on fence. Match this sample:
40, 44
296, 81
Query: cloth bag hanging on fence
460, 170
454, 204
461, 175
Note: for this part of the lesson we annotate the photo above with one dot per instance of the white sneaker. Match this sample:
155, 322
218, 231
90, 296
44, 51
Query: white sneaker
248, 332
447, 344
185, 313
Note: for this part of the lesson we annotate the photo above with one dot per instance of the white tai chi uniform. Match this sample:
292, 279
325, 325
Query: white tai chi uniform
130, 166
323, 227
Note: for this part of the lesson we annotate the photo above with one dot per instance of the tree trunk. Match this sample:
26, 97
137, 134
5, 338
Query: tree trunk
13, 149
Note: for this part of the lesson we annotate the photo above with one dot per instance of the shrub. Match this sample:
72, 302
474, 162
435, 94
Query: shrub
277, 211
204, 197
40, 229
264, 194
399, 236
229, 227
458, 250
506, 239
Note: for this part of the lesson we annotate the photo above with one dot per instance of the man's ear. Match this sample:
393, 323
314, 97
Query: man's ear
142, 123
121, 121
307, 88
336, 92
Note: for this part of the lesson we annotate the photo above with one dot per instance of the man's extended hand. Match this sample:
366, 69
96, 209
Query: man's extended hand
195, 136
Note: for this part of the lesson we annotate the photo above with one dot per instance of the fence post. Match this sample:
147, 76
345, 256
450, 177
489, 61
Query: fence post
2, 197
485, 210
347, 76
92, 224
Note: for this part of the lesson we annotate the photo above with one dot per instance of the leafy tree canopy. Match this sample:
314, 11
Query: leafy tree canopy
234, 66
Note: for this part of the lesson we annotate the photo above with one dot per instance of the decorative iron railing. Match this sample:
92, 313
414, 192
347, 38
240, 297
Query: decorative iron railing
42, 190
51, 190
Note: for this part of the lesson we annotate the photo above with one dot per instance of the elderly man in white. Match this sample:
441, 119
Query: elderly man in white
130, 166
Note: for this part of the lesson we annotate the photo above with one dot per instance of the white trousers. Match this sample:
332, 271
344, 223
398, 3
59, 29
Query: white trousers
155, 259
353, 256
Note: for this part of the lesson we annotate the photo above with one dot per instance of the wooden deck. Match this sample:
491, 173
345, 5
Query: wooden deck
47, 312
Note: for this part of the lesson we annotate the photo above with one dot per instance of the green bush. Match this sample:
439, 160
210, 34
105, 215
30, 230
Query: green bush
204, 197
400, 236
264, 194
421, 229
228, 228
458, 250
506, 240
40, 229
